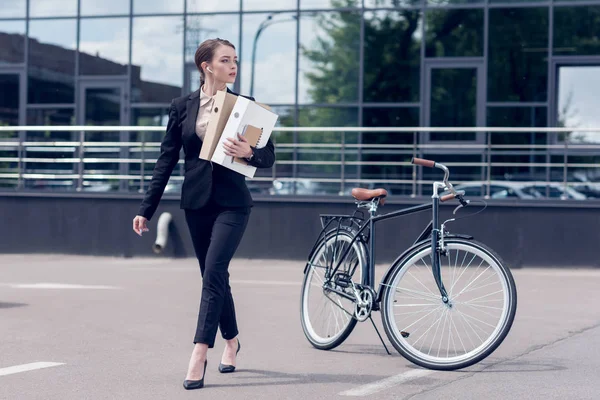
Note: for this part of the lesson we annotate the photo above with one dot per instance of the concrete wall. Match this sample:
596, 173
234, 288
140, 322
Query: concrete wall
562, 234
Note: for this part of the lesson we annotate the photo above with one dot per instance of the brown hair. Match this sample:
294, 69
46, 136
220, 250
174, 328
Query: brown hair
206, 52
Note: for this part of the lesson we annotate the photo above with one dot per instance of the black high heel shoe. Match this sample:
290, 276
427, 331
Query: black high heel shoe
190, 385
224, 369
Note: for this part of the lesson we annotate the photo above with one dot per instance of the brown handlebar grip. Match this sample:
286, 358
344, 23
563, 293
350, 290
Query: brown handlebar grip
447, 197
423, 162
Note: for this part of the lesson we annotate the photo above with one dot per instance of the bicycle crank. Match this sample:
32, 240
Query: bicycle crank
364, 305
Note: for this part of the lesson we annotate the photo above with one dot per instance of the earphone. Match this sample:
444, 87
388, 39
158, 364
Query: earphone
209, 70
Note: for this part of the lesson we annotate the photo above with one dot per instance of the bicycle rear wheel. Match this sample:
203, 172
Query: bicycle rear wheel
480, 312
328, 318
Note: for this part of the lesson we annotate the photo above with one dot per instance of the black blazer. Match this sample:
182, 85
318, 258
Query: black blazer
203, 179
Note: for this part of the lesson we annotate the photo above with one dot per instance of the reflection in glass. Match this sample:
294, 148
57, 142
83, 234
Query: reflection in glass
157, 59
386, 152
392, 56
50, 117
52, 8
518, 117
392, 3
157, 6
103, 108
327, 147
9, 101
201, 28
329, 57
453, 2
9, 115
13, 9
578, 102
325, 4
453, 101
576, 30
260, 5
197, 6
52, 61
149, 147
454, 33
104, 46
104, 7
517, 66
274, 61
12, 42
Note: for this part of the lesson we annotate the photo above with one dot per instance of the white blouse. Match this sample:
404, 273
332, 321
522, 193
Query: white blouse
206, 105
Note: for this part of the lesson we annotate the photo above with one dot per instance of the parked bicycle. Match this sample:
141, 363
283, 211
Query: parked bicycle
446, 303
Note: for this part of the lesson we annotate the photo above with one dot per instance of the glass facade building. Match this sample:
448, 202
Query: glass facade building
318, 63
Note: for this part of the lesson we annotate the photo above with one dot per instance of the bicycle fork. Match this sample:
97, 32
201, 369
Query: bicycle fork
435, 248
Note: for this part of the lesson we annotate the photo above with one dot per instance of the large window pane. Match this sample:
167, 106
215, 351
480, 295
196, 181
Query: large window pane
384, 148
201, 28
12, 42
9, 101
53, 8
320, 157
453, 102
104, 46
454, 33
519, 152
518, 55
13, 9
392, 56
329, 57
578, 102
268, 5
453, 2
157, 70
157, 6
576, 30
104, 7
51, 117
149, 147
52, 61
194, 6
273, 42
392, 3
323, 4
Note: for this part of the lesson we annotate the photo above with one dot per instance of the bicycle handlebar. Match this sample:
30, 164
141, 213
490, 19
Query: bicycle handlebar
423, 162
432, 164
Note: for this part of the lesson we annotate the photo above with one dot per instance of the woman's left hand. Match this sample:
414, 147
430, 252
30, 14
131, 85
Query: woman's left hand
238, 148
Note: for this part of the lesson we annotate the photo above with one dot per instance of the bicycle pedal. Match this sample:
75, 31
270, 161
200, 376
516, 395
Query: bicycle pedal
343, 280
404, 334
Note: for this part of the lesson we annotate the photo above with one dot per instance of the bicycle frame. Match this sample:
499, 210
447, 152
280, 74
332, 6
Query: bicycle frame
433, 229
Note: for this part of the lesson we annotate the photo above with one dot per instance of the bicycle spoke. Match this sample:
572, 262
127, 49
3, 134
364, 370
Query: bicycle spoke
423, 294
473, 281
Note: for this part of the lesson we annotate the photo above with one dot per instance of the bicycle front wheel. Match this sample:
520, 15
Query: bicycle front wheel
447, 336
328, 318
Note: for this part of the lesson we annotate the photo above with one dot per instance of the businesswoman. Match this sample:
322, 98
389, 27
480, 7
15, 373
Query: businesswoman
215, 199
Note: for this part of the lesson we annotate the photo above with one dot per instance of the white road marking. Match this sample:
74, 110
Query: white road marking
27, 367
256, 282
57, 286
387, 383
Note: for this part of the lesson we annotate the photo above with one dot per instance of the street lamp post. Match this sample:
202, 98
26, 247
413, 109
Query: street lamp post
261, 27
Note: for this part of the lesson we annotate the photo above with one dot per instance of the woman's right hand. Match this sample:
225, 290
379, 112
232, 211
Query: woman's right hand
139, 225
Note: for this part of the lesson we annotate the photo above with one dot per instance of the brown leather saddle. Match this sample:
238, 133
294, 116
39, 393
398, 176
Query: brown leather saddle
369, 194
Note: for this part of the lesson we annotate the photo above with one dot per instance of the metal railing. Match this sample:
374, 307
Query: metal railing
319, 160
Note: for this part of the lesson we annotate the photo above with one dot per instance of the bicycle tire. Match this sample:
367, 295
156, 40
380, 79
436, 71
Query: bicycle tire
359, 249
487, 347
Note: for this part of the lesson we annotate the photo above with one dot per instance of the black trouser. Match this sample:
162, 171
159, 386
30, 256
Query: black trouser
216, 233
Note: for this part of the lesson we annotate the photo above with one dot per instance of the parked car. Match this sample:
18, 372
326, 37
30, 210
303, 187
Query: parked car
555, 191
504, 190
